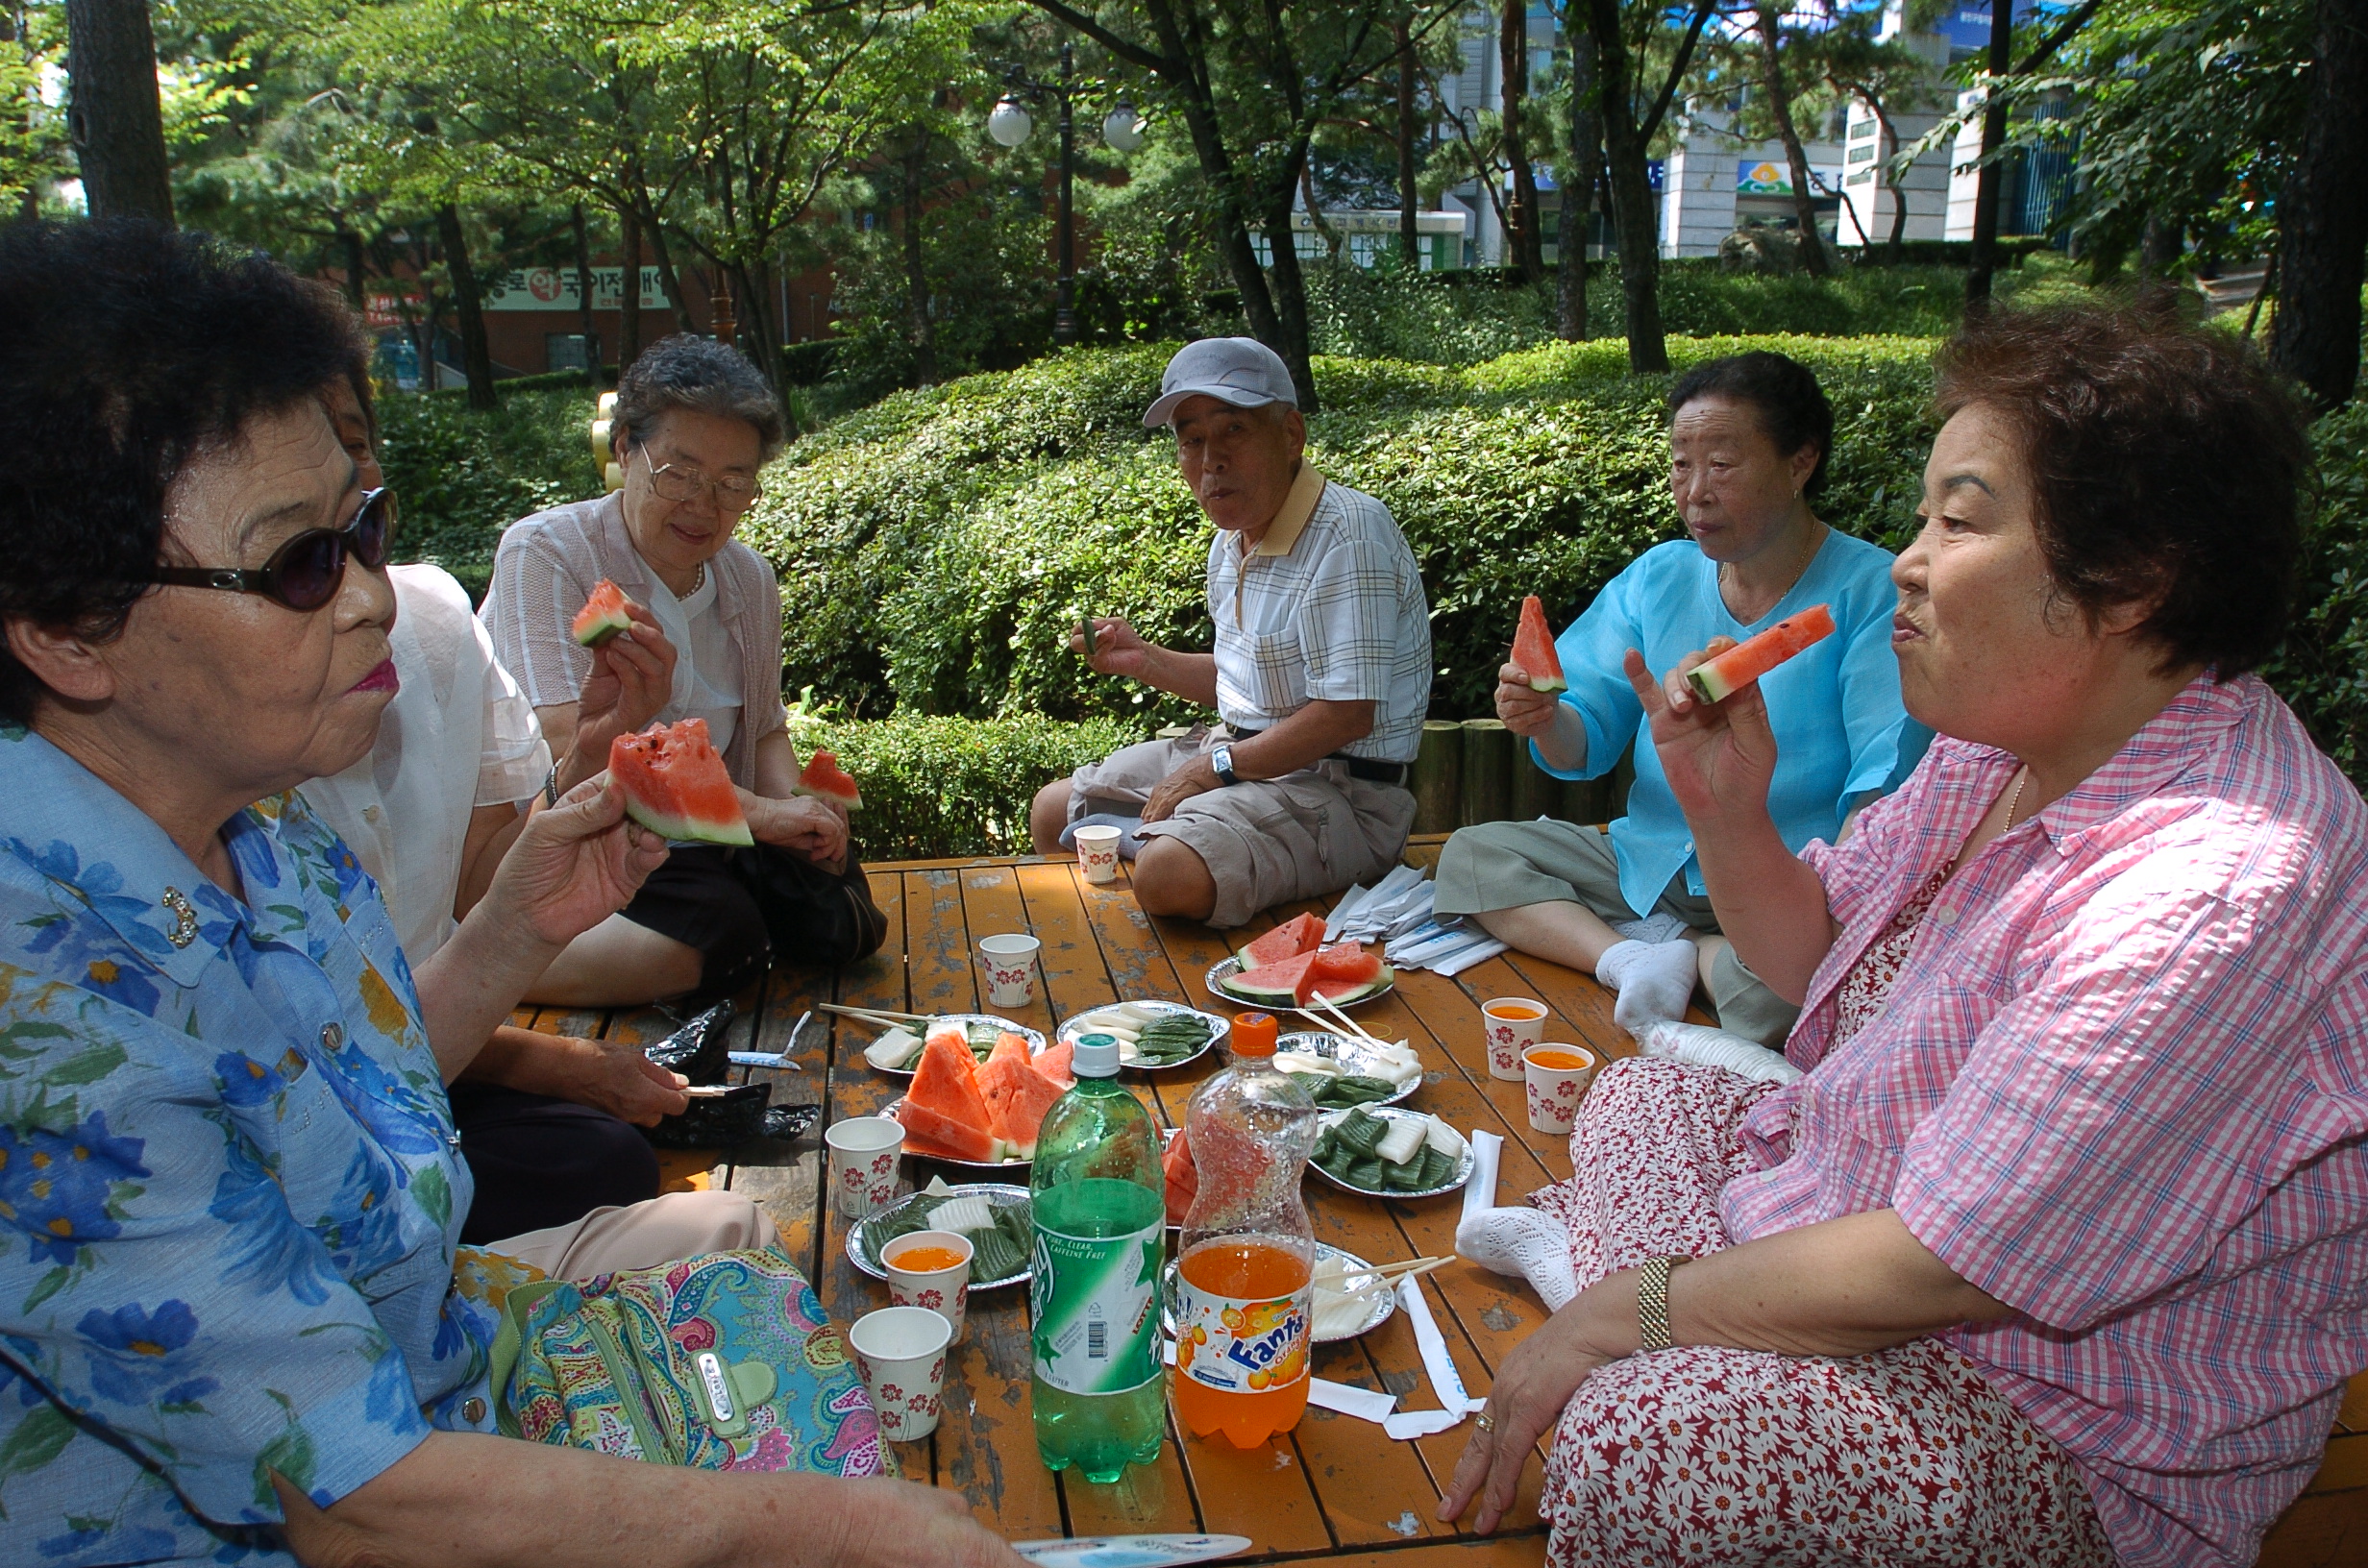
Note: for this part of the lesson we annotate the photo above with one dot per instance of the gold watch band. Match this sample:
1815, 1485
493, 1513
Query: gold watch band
1653, 1302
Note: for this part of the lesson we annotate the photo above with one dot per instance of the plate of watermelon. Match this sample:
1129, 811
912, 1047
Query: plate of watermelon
1288, 968
983, 1114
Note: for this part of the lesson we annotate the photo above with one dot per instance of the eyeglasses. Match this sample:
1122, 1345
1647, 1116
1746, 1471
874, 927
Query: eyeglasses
305, 572
682, 484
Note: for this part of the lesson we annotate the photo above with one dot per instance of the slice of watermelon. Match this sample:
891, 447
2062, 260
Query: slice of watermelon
946, 1085
602, 617
1017, 1098
1183, 1178
1714, 679
1052, 1062
1337, 972
676, 785
1289, 940
1276, 985
824, 779
928, 1131
1534, 650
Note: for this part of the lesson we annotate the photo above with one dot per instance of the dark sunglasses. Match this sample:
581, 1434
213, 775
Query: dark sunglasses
303, 574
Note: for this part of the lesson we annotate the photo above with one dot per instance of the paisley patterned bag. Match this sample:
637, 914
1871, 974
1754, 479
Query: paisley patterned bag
723, 1361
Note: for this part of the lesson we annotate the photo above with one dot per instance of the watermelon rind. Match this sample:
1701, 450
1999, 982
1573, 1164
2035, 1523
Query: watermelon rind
685, 830
1371, 987
1709, 684
596, 632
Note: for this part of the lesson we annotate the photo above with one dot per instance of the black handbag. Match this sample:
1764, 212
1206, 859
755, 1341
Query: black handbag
740, 1115
699, 1050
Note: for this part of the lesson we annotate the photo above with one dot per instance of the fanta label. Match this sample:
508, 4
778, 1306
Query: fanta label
1238, 1346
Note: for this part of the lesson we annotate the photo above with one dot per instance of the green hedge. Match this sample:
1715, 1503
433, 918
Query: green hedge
942, 787
2323, 669
463, 477
933, 547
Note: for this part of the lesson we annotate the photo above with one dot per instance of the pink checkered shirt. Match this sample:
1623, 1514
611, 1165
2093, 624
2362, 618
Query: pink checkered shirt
2122, 1086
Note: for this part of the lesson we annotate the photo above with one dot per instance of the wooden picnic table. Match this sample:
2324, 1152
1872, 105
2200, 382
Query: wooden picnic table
1337, 1490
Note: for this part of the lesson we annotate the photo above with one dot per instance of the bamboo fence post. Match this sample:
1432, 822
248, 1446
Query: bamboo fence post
1437, 777
1488, 770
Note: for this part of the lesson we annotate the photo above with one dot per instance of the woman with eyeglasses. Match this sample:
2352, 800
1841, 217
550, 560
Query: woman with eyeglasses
235, 1325
694, 424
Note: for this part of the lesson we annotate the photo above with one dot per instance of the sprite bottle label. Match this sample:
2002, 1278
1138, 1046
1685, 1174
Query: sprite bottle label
1094, 1298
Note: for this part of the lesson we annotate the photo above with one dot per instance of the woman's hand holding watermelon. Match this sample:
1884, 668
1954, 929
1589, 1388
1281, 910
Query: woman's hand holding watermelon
573, 865
632, 678
1527, 712
1717, 756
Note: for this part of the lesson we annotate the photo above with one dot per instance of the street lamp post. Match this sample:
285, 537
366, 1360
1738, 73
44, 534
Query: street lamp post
1010, 125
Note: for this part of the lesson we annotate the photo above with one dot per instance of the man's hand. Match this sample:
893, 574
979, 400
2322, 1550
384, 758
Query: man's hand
1198, 776
632, 678
1119, 649
815, 829
1528, 714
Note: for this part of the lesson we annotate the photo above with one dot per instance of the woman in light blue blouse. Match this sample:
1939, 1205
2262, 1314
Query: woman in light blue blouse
1749, 442
233, 1326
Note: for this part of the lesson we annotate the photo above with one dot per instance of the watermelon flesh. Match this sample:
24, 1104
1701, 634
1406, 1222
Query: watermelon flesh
1017, 1096
944, 1111
602, 617
1053, 1063
1183, 1178
826, 780
1534, 650
1289, 940
1277, 983
1339, 971
676, 785
1714, 679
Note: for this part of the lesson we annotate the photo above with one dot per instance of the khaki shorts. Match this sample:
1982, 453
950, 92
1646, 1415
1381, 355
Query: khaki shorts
1268, 842
1510, 865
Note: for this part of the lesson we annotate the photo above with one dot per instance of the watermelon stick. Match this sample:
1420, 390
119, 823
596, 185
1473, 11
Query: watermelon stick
1714, 680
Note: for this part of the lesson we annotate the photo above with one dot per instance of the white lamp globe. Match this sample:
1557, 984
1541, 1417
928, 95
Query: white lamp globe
1009, 124
1123, 129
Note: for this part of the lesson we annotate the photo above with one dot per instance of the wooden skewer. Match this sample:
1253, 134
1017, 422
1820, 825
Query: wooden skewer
874, 1015
1356, 1028
1341, 1271
1392, 1281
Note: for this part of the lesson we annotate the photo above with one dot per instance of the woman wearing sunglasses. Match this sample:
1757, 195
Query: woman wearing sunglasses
693, 425
232, 1323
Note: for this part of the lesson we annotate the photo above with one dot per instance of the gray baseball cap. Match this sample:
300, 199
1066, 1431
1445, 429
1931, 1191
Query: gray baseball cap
1237, 370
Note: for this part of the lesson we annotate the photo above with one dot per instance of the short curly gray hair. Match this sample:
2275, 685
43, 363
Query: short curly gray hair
703, 376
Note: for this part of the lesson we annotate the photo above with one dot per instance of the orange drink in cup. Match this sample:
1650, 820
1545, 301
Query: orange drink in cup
930, 1270
1513, 1024
1557, 1076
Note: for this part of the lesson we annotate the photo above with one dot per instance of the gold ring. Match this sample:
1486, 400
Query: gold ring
1487, 1422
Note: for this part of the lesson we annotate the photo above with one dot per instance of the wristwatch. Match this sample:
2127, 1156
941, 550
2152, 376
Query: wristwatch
1653, 1302
1221, 758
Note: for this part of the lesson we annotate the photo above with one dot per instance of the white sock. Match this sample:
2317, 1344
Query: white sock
1655, 980
1522, 1241
1653, 928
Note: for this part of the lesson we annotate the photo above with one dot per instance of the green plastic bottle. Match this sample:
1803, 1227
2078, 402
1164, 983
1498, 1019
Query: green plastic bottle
1101, 1210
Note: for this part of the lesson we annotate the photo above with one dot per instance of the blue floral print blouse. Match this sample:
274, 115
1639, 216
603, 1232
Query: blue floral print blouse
229, 1188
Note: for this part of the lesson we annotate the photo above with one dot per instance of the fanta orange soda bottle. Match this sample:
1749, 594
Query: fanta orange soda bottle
1243, 1296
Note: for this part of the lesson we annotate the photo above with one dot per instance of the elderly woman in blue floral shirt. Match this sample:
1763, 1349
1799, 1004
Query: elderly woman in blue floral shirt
234, 1323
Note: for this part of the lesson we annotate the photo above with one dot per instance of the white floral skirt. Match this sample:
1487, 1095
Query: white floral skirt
1700, 1454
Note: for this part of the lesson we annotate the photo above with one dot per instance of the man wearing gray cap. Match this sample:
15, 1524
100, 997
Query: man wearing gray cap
1320, 673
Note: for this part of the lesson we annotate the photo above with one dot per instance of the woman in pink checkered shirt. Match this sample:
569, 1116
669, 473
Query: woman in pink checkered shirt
2058, 1252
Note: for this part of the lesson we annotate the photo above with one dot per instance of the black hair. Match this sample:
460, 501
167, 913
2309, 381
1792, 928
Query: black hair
2167, 463
126, 350
1791, 405
701, 374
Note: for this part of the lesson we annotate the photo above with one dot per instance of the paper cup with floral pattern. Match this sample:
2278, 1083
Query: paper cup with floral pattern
900, 1354
863, 1162
1007, 963
943, 1288
1557, 1075
1512, 1024
1097, 852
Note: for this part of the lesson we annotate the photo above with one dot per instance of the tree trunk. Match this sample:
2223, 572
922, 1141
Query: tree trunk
476, 360
629, 295
916, 270
2161, 244
1990, 189
593, 362
668, 279
1578, 183
1524, 240
1796, 156
1632, 218
1290, 284
1890, 139
114, 119
1409, 197
349, 243
2323, 216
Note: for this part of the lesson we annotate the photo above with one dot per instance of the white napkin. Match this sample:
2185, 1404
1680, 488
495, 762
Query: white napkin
1338, 921
1480, 1192
1444, 1378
